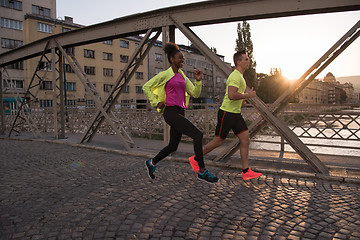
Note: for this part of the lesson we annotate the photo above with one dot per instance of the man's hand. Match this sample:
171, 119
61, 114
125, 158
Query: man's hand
251, 93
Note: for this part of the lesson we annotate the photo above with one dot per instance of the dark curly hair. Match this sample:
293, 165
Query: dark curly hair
171, 49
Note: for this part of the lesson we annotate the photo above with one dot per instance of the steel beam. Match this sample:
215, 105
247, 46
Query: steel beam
202, 13
55, 110
115, 92
168, 35
27, 93
89, 86
277, 124
2, 112
297, 87
62, 96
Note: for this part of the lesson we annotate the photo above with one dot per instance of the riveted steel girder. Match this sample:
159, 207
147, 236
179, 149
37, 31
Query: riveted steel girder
202, 13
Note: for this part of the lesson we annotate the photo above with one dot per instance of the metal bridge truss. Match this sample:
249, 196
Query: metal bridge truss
23, 110
183, 17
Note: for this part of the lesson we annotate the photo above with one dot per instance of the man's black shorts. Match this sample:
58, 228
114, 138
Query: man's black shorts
227, 121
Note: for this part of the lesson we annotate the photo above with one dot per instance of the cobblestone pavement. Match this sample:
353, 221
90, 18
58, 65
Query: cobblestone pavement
53, 191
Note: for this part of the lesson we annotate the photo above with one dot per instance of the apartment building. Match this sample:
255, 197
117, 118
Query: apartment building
13, 33
103, 63
327, 91
315, 93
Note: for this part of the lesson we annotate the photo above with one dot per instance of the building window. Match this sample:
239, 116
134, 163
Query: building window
89, 103
190, 62
10, 43
91, 86
108, 42
46, 103
41, 11
89, 70
70, 51
124, 44
17, 65
139, 89
46, 66
124, 58
68, 68
12, 24
89, 53
190, 74
108, 72
18, 84
218, 79
64, 29
43, 27
201, 64
70, 103
136, 45
158, 57
107, 56
70, 86
139, 75
126, 89
46, 85
13, 4
107, 87
158, 70
138, 60
125, 103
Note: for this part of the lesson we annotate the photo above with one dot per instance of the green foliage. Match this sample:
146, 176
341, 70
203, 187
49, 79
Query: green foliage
343, 96
244, 42
272, 86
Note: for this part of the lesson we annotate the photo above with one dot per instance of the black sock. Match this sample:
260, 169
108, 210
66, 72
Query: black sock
245, 170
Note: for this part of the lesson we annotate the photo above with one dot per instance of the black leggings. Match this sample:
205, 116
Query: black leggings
174, 116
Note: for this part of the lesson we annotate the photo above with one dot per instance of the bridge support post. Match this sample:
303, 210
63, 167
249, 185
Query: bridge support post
2, 112
168, 35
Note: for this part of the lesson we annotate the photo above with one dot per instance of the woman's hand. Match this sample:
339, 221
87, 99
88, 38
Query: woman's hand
160, 105
198, 74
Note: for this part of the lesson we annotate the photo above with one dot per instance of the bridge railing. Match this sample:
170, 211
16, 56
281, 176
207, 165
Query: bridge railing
325, 129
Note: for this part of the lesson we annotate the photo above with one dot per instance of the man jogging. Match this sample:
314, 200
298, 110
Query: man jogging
230, 118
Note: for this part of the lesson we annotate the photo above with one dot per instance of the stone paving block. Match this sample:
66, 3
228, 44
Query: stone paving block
108, 197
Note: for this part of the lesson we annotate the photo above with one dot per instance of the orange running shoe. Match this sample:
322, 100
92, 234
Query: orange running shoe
194, 164
250, 175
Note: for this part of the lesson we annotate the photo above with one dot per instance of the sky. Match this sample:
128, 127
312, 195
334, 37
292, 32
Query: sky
292, 44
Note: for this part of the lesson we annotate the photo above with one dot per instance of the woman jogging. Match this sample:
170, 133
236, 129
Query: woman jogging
169, 92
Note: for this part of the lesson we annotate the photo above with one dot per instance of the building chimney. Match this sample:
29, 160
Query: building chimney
68, 19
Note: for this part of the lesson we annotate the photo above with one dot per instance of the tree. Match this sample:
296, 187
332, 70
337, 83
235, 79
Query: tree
272, 86
244, 42
343, 95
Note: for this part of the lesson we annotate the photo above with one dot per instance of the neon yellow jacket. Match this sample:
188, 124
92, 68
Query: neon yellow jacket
155, 87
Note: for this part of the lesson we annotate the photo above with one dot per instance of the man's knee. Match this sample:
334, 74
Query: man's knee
245, 141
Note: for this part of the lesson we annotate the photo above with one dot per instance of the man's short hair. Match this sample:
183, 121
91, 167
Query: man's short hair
238, 56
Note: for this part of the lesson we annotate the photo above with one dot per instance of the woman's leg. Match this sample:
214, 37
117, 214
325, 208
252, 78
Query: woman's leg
175, 138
